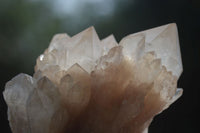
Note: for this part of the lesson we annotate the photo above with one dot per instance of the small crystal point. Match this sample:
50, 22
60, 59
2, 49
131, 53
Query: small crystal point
16, 94
108, 43
85, 44
58, 41
133, 46
42, 105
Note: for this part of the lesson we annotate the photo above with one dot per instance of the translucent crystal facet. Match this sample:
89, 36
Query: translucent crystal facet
83, 84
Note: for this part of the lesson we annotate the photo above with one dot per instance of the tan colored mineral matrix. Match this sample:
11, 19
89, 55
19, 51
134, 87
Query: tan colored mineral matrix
85, 85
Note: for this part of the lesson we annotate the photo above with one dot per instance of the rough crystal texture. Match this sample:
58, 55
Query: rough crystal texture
85, 85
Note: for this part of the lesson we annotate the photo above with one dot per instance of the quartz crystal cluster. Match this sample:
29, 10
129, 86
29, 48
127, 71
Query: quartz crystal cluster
83, 84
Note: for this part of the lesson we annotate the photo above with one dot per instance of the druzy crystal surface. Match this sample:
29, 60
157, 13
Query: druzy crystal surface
83, 84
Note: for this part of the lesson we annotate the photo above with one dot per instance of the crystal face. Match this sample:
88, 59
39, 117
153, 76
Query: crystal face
85, 85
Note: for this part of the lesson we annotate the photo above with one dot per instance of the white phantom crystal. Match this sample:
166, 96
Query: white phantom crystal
82, 84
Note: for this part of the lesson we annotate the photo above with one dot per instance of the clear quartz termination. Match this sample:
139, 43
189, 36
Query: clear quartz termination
85, 85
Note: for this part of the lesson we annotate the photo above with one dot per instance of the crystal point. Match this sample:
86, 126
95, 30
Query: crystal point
17, 93
82, 84
164, 42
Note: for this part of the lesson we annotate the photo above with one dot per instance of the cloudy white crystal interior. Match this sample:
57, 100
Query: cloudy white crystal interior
83, 84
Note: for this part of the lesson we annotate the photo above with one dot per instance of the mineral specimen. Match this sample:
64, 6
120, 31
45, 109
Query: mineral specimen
85, 85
